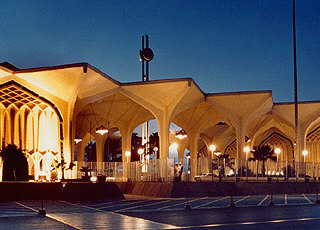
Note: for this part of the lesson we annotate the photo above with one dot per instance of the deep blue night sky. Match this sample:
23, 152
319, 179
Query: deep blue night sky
224, 46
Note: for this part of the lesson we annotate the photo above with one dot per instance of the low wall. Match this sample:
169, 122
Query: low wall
29, 191
10, 191
155, 189
91, 191
203, 189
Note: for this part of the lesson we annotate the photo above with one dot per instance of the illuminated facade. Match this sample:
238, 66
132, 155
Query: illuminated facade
31, 123
42, 110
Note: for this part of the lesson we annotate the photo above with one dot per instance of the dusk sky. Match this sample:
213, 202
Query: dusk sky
225, 46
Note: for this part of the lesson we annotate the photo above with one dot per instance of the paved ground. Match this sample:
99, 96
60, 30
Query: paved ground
252, 212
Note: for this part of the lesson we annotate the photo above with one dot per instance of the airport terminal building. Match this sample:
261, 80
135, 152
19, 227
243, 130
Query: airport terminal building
43, 110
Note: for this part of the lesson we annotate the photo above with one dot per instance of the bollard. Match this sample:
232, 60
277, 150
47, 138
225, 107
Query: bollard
187, 205
42, 211
271, 202
317, 201
232, 204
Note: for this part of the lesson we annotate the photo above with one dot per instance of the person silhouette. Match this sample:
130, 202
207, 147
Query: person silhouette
180, 170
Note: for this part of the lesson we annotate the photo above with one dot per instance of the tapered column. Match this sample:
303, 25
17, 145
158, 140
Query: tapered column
164, 123
240, 134
126, 147
100, 139
193, 138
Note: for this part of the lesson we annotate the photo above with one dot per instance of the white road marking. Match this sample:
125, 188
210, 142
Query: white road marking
47, 215
199, 206
190, 201
247, 223
241, 199
261, 202
105, 203
25, 206
156, 203
307, 198
128, 203
163, 226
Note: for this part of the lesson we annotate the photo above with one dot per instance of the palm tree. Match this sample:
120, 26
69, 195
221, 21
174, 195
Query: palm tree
61, 166
263, 153
86, 171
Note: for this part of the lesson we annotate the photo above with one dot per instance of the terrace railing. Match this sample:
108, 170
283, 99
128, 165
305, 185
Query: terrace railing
207, 170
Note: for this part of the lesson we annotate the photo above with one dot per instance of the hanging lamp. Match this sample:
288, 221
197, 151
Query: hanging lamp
77, 139
102, 130
181, 134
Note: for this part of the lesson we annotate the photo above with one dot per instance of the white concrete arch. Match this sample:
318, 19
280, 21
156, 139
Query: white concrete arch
269, 126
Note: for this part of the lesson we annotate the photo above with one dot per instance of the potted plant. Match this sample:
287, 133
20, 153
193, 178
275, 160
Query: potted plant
86, 171
101, 178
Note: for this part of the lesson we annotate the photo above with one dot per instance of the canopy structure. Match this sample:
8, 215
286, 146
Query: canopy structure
42, 111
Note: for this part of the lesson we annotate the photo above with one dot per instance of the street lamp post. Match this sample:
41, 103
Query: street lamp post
128, 154
305, 153
277, 151
155, 149
140, 152
188, 163
212, 149
218, 155
246, 150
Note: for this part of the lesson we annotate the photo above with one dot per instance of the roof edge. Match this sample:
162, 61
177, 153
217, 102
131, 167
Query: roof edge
188, 79
39, 69
241, 92
155, 81
84, 65
292, 103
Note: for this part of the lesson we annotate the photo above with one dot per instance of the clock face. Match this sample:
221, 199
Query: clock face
147, 54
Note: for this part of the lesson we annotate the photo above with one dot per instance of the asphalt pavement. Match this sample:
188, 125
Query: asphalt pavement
136, 212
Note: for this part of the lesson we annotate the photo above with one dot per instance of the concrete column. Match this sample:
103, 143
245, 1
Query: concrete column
80, 154
240, 136
193, 147
100, 139
182, 147
164, 123
126, 146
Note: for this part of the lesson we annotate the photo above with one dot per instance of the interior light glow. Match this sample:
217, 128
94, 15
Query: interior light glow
181, 134
102, 130
93, 179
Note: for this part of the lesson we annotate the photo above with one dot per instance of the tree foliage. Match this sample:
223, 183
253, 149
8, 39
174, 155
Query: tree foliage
136, 143
263, 153
90, 151
15, 164
113, 150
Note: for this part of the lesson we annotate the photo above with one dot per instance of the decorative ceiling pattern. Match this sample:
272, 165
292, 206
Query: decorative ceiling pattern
13, 93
